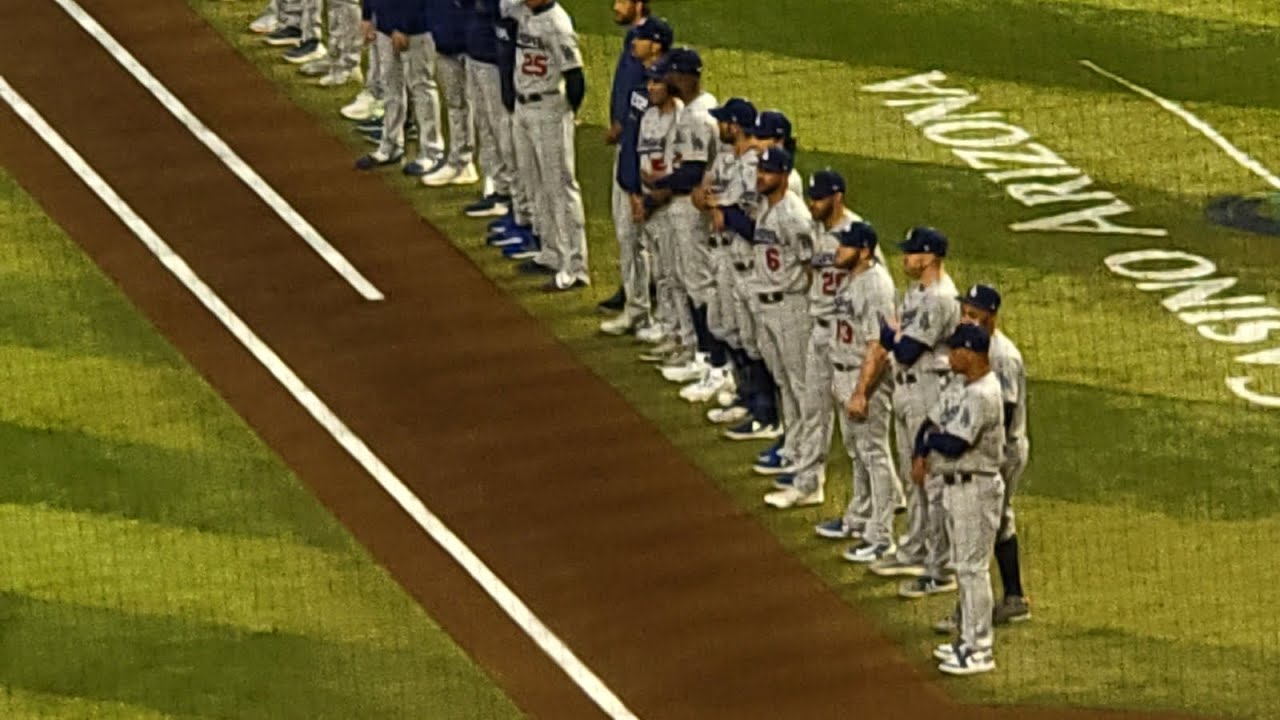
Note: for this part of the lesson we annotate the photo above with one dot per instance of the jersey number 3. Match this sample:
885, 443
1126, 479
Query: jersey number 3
844, 331
535, 65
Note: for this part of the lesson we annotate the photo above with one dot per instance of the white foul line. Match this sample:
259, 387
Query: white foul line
515, 608
211, 140
1241, 157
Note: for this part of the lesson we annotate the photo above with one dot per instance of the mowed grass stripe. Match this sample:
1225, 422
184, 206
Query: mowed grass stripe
22, 704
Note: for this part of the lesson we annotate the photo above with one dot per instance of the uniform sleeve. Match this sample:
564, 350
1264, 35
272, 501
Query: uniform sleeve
878, 307
512, 8
801, 237
569, 56
699, 139
1009, 373
930, 323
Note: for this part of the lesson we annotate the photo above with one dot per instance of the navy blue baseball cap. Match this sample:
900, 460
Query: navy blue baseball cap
658, 30
983, 297
658, 69
858, 235
736, 110
771, 124
776, 160
825, 183
685, 61
924, 240
970, 337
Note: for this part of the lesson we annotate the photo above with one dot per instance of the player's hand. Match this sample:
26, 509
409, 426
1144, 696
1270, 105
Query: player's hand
919, 468
717, 219
857, 406
698, 197
399, 41
615, 132
367, 31
638, 213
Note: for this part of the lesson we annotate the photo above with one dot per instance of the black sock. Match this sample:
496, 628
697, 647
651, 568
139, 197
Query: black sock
1010, 572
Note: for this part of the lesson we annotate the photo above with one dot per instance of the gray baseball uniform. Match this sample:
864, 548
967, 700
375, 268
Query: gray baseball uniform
546, 48
416, 69
928, 315
972, 494
458, 109
655, 147
697, 139
634, 252
345, 41
722, 310
742, 192
494, 143
863, 303
813, 432
1007, 365
783, 245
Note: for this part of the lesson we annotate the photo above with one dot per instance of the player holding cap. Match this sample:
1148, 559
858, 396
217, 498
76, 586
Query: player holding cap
961, 446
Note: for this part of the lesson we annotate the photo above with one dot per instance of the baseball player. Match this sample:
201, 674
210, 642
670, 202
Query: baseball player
783, 241
918, 348
980, 306
341, 64
628, 77
449, 29
649, 38
695, 144
812, 432
961, 445
407, 57
310, 47
550, 87
494, 142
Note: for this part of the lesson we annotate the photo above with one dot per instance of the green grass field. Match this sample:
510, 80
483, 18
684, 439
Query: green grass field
1149, 515
160, 561
163, 563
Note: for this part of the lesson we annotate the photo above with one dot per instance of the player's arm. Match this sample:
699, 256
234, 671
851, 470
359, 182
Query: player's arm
876, 357
737, 220
570, 63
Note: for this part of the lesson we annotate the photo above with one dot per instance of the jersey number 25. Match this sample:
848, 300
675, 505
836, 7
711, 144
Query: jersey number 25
535, 65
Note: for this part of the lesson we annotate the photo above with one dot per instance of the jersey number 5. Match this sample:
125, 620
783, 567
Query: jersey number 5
535, 65
772, 259
844, 331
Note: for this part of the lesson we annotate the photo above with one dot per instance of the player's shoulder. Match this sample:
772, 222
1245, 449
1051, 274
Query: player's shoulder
1004, 350
987, 389
559, 19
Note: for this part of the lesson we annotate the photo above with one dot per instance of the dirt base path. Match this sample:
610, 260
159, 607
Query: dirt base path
682, 604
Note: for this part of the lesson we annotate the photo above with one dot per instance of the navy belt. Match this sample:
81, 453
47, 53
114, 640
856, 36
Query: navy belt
719, 242
845, 368
906, 378
770, 298
822, 322
743, 266
953, 478
535, 97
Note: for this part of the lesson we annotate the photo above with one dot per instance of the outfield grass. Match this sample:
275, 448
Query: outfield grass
160, 561
1149, 514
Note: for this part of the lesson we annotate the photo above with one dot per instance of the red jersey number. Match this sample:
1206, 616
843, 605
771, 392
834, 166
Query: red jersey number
844, 331
535, 65
659, 164
830, 283
772, 259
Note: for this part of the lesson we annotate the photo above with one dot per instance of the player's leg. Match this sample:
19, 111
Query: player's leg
564, 246
791, 383
973, 509
876, 460
525, 139
344, 43
909, 559
459, 167
631, 264
420, 73
1013, 607
813, 440
394, 75
483, 91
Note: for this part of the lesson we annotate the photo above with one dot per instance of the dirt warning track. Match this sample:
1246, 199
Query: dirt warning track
680, 603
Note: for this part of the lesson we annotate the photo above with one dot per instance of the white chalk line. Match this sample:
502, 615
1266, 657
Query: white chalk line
223, 152
1241, 158
506, 599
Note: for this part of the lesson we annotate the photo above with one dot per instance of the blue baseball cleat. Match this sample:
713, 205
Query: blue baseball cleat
772, 464
782, 482
526, 250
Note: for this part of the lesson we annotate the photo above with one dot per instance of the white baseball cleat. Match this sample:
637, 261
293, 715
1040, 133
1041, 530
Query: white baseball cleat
865, 553
363, 107
264, 23
449, 175
620, 325
693, 371
968, 662
338, 77
791, 497
946, 650
729, 415
706, 388
652, 334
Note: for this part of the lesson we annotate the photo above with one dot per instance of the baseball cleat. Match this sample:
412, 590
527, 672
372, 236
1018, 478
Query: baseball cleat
727, 398
653, 334
614, 303
790, 497
724, 416
924, 585
771, 451
947, 650
316, 68
616, 326
1014, 609
338, 77
891, 566
264, 24
363, 107
533, 267
968, 662
865, 553
493, 205
784, 482
526, 250
834, 529
305, 52
693, 370
706, 388
418, 168
284, 37
376, 159
563, 281
753, 430
443, 176
772, 464
661, 351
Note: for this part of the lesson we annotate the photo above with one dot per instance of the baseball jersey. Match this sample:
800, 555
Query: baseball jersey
546, 47
929, 316
697, 135
783, 244
1007, 366
827, 278
655, 147
860, 306
974, 412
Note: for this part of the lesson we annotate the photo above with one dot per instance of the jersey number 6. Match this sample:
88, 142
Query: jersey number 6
772, 259
535, 65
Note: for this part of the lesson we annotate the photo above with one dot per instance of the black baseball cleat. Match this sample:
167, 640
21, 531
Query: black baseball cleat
613, 303
533, 267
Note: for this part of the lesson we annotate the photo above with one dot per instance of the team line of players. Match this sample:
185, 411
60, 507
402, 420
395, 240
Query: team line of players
772, 298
